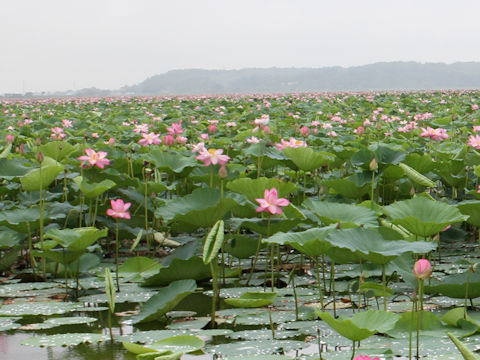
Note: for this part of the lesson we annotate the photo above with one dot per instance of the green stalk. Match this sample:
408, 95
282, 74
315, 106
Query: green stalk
320, 293
213, 270
384, 283
117, 248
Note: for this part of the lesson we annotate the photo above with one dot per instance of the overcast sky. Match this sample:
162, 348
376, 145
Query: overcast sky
66, 44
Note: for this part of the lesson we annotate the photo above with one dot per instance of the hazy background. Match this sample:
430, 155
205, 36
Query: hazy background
49, 45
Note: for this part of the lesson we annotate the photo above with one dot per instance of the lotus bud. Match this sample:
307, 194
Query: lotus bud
222, 172
373, 165
422, 269
40, 157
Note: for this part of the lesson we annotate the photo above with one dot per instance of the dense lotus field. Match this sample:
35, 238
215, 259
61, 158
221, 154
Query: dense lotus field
309, 226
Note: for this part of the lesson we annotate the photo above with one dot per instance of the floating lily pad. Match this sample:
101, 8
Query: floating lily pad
260, 347
59, 321
198, 323
263, 334
65, 339
9, 323
25, 289
252, 299
39, 308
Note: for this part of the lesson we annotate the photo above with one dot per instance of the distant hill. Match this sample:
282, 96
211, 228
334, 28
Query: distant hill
378, 76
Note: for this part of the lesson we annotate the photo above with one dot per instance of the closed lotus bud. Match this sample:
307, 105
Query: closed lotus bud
422, 269
222, 172
40, 157
21, 149
373, 165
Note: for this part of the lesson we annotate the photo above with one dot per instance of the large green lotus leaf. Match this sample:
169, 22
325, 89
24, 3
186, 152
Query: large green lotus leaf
422, 216
464, 350
429, 324
19, 216
384, 154
8, 258
139, 265
138, 349
92, 190
255, 188
203, 207
370, 245
165, 300
457, 318
61, 256
42, 177
78, 239
252, 299
240, 246
180, 269
10, 238
455, 286
151, 187
471, 208
65, 339
180, 343
171, 163
262, 226
347, 188
422, 163
58, 150
347, 215
12, 168
361, 325
311, 242
39, 308
307, 159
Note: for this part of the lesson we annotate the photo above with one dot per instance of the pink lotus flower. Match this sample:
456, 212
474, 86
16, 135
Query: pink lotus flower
212, 128
213, 157
119, 209
365, 357
57, 133
474, 141
293, 143
168, 140
253, 140
149, 139
10, 138
97, 159
475, 107
271, 203
200, 147
434, 134
304, 130
175, 129
67, 123
422, 269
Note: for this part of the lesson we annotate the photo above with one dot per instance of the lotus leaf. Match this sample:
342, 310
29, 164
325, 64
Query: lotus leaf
252, 299
165, 300
423, 217
347, 215
361, 325
65, 339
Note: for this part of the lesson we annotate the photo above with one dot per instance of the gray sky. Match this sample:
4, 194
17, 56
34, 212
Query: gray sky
65, 44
